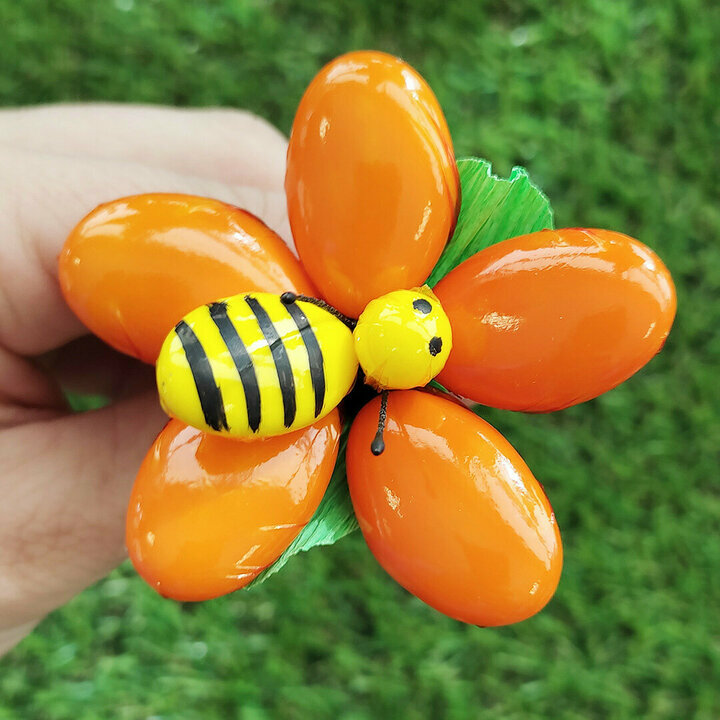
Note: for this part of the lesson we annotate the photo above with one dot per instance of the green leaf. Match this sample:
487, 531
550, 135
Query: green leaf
333, 519
82, 403
493, 209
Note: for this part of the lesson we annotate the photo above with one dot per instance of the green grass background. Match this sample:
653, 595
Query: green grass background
613, 108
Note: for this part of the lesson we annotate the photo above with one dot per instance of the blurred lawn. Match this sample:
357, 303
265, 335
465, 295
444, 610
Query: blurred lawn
613, 108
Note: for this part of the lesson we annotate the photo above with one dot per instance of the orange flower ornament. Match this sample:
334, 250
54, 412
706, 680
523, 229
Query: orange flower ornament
262, 359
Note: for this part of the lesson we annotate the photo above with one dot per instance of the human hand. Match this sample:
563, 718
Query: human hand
65, 478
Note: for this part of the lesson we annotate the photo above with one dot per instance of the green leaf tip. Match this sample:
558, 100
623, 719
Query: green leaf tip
493, 209
79, 402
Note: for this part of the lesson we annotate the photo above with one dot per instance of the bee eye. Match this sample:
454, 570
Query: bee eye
422, 306
435, 345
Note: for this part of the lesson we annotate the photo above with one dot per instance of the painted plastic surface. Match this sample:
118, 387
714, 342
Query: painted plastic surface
451, 511
207, 514
403, 339
547, 320
242, 367
371, 183
133, 267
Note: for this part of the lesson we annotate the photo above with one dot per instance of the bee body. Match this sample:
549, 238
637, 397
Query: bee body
251, 366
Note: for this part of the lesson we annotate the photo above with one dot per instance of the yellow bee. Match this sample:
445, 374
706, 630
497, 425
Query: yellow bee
258, 365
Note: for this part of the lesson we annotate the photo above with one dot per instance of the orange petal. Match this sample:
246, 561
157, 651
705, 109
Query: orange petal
547, 320
207, 514
452, 512
372, 184
133, 267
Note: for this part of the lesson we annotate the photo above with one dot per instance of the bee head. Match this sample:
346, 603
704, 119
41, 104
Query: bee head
403, 339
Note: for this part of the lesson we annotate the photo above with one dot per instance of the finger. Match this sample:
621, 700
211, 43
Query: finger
12, 415
65, 485
24, 384
230, 146
42, 197
12, 636
90, 367
32, 390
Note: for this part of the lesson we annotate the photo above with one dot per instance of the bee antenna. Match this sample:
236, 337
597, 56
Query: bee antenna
378, 444
287, 298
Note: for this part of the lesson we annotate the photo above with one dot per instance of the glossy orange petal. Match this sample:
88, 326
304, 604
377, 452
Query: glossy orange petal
372, 184
133, 267
207, 514
452, 512
547, 320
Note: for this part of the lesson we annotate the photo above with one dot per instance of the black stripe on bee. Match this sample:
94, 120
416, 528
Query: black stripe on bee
208, 391
280, 358
241, 358
315, 356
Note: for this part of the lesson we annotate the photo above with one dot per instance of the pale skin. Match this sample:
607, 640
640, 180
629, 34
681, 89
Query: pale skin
65, 478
